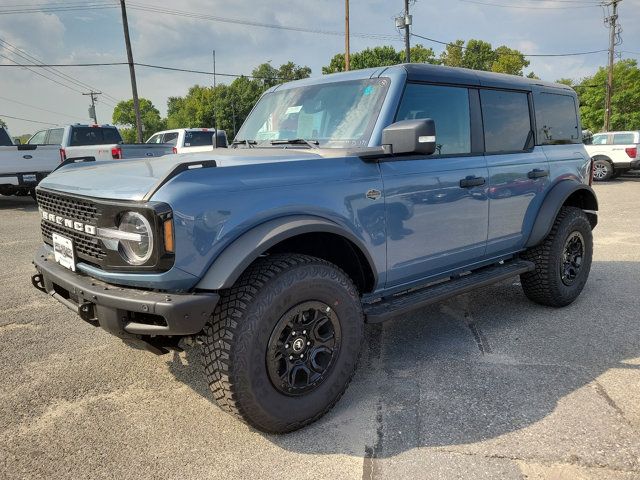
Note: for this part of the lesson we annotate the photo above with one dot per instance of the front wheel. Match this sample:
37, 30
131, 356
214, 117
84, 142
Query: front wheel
284, 342
562, 261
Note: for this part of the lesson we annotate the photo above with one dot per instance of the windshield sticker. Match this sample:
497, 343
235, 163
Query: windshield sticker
368, 90
295, 109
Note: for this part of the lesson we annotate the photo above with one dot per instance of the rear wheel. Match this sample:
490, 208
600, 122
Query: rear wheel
602, 170
284, 342
562, 261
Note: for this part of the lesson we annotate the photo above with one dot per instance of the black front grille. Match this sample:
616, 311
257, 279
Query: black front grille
87, 247
68, 207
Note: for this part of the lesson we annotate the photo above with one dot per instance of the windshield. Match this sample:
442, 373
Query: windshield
340, 114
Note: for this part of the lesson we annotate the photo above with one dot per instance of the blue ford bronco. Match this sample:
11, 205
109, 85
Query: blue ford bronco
346, 199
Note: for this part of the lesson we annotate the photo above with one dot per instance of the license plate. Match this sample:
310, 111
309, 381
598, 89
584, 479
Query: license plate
63, 251
29, 178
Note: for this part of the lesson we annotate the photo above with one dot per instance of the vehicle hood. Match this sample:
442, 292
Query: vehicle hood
133, 179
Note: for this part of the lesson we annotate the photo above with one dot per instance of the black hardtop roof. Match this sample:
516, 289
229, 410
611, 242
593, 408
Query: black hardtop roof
424, 72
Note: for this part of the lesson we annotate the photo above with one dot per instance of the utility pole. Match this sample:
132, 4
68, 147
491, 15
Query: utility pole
612, 21
405, 22
215, 117
132, 72
347, 48
92, 109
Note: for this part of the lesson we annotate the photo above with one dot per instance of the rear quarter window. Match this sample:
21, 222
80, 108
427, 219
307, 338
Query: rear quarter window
556, 119
55, 136
506, 119
5, 139
623, 138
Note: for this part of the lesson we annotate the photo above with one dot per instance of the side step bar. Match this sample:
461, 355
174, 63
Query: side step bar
397, 305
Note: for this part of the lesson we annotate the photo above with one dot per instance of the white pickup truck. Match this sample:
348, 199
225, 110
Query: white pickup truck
102, 142
614, 153
191, 140
23, 166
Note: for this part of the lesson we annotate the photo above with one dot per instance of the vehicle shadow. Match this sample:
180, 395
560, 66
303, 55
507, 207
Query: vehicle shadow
25, 204
470, 369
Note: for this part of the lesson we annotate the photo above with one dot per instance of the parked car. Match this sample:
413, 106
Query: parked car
614, 153
101, 142
346, 199
191, 140
23, 166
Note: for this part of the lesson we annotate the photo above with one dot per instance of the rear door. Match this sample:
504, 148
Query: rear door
436, 205
518, 170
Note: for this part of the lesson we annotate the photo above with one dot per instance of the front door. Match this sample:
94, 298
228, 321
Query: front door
436, 206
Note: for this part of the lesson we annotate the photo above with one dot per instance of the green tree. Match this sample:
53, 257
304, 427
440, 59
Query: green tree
480, 55
565, 81
452, 54
533, 76
625, 101
380, 57
3, 124
226, 106
508, 60
124, 114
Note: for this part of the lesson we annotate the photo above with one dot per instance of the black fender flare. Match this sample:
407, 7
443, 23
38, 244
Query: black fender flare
554, 201
237, 256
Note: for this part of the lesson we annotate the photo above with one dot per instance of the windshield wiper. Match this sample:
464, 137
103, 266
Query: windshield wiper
296, 141
247, 143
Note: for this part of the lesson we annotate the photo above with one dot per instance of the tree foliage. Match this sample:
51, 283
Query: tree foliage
124, 114
380, 57
480, 55
625, 101
3, 124
226, 106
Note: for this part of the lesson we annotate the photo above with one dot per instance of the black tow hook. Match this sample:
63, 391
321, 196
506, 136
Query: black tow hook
38, 282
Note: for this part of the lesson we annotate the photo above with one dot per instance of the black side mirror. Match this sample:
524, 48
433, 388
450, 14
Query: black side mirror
410, 136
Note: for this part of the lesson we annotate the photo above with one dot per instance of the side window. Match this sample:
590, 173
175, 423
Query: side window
55, 136
157, 138
599, 139
171, 138
448, 107
623, 138
506, 119
556, 119
38, 138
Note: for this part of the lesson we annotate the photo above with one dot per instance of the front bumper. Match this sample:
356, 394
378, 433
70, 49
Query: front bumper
128, 313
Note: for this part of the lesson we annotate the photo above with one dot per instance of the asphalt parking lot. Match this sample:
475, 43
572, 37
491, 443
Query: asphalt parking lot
487, 385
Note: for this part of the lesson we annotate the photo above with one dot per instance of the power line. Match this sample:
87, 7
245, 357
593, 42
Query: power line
28, 120
62, 76
523, 54
529, 7
215, 18
40, 108
54, 9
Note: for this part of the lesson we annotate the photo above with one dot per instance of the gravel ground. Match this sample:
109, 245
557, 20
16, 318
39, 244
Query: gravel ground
487, 385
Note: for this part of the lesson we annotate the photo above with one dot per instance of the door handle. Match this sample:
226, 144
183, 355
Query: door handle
471, 181
538, 173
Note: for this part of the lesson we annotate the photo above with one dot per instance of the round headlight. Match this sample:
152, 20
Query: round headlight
138, 251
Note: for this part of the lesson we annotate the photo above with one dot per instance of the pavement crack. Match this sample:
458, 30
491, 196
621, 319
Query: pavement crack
478, 335
600, 390
370, 464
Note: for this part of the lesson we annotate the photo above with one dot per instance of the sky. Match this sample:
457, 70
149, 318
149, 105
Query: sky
93, 34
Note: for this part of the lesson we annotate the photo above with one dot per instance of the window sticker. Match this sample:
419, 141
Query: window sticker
295, 109
368, 90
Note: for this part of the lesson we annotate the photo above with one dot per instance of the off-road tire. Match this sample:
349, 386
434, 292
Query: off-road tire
544, 285
234, 343
602, 165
